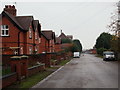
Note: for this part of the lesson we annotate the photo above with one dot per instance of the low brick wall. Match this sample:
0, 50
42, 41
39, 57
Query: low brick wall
6, 59
9, 79
35, 69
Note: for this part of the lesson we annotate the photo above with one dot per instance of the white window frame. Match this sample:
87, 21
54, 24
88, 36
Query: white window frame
36, 35
21, 50
4, 29
39, 40
15, 52
30, 32
30, 49
36, 49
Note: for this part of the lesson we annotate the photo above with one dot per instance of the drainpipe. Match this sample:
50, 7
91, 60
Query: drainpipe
19, 43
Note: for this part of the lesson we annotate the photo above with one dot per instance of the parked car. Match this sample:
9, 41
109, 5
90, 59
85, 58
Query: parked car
76, 54
108, 55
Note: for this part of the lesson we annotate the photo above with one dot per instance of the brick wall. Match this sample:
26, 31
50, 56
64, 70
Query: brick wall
9, 79
35, 69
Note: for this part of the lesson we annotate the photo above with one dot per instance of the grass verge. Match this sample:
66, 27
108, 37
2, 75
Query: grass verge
34, 79
63, 62
99, 56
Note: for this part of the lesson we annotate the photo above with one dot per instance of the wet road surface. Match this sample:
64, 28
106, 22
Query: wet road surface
87, 71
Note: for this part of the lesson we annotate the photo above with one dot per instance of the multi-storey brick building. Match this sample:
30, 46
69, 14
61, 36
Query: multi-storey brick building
20, 34
51, 39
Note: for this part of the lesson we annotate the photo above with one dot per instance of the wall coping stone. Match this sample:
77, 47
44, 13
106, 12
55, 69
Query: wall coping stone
8, 75
42, 64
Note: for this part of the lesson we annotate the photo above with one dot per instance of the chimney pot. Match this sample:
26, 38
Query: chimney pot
10, 9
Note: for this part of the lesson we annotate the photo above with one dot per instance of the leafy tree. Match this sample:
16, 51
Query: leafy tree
104, 41
66, 41
77, 45
74, 48
101, 50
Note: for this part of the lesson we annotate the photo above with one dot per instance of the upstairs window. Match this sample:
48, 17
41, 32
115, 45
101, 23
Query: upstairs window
36, 35
39, 40
30, 33
4, 30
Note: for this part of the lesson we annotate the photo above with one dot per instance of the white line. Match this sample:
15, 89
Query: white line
36, 86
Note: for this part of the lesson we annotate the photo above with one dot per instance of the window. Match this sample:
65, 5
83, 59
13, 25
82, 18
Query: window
30, 50
36, 35
15, 52
21, 50
4, 30
30, 32
39, 40
36, 49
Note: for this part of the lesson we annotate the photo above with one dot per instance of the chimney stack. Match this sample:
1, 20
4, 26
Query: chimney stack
61, 31
10, 9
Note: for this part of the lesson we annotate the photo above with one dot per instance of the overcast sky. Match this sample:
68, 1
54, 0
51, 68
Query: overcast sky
84, 20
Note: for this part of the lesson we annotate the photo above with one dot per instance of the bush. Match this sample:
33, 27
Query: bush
100, 51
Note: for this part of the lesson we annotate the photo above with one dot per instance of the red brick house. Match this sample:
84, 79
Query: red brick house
44, 45
62, 46
63, 36
19, 34
58, 45
50, 35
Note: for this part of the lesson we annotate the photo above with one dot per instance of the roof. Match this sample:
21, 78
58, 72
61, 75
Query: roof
58, 40
49, 34
63, 36
13, 19
70, 37
35, 24
44, 36
24, 21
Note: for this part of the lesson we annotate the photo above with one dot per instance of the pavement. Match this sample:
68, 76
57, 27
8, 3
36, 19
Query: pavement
88, 71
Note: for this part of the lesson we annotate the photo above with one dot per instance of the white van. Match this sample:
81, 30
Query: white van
76, 54
108, 55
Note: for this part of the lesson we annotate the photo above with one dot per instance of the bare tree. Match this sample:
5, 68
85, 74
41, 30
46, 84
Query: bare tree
115, 27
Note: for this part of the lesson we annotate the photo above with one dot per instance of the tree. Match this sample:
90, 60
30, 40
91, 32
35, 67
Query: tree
115, 27
77, 45
66, 40
74, 48
104, 41
101, 50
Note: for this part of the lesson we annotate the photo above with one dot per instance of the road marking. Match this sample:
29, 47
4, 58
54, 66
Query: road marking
45, 79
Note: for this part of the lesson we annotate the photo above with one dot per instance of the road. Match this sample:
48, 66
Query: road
88, 71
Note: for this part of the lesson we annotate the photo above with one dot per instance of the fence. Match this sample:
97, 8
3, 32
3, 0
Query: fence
28, 66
